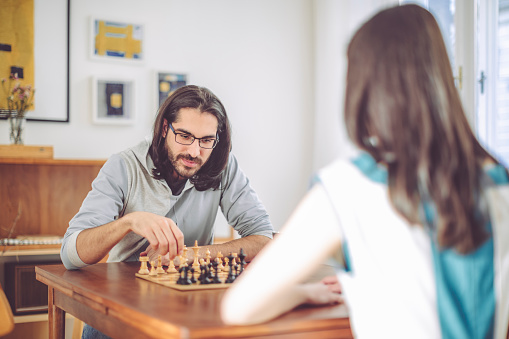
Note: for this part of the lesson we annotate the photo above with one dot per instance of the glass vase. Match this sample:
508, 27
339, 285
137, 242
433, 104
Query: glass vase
17, 125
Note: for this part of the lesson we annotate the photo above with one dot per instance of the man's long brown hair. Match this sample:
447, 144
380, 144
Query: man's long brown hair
403, 108
209, 176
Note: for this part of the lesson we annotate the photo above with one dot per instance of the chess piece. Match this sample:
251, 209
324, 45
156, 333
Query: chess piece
220, 261
234, 261
184, 278
143, 268
193, 279
231, 276
196, 249
152, 268
207, 256
184, 257
159, 269
171, 267
204, 273
226, 267
215, 278
242, 256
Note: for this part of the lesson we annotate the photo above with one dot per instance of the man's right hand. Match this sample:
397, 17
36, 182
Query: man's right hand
162, 233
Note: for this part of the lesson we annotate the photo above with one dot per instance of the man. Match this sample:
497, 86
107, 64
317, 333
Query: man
157, 196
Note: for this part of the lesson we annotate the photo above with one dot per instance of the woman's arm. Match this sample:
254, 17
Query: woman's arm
270, 285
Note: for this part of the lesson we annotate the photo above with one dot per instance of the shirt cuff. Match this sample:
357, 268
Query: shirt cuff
72, 251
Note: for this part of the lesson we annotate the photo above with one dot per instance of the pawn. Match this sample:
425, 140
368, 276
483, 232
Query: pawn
159, 269
171, 267
152, 268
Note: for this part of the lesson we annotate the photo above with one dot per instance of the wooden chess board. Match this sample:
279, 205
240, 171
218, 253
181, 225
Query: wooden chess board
170, 277
170, 280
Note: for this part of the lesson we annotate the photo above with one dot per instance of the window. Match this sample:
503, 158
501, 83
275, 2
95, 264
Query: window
493, 76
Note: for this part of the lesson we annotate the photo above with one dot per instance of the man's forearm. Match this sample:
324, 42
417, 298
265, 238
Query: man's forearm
93, 244
251, 245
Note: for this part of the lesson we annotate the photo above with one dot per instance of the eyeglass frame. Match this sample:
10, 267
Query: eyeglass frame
194, 138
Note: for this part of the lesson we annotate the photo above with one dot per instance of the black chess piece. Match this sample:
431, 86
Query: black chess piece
204, 274
193, 279
216, 279
242, 256
231, 276
183, 278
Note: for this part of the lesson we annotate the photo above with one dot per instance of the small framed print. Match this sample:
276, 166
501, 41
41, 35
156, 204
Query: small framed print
113, 101
167, 83
116, 41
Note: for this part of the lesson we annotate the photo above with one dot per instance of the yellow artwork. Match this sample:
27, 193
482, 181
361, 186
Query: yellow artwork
16, 42
116, 100
117, 40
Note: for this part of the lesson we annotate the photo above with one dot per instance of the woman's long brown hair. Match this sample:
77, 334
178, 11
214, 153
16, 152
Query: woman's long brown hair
403, 108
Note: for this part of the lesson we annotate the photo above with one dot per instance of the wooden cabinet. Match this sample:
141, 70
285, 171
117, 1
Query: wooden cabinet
40, 196
37, 197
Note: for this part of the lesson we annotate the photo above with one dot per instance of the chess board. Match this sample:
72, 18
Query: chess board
170, 277
170, 280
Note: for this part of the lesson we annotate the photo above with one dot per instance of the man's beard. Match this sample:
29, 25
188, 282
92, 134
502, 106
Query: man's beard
179, 168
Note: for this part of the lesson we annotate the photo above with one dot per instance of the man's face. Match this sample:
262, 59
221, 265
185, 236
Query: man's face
188, 159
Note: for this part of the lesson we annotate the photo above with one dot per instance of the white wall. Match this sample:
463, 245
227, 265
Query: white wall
335, 23
255, 55
278, 66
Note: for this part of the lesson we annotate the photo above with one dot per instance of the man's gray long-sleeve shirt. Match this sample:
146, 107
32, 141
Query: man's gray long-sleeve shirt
125, 184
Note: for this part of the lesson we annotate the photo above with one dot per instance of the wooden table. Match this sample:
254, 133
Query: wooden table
110, 298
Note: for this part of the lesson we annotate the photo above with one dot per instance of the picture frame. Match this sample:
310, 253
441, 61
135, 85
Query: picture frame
117, 41
166, 83
113, 101
51, 59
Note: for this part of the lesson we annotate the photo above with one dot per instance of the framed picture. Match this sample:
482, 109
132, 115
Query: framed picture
167, 83
116, 41
49, 51
113, 101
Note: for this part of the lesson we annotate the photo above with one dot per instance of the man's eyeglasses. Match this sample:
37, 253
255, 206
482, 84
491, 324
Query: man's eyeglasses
188, 139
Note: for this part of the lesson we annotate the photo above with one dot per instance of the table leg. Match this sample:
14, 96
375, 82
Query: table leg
56, 317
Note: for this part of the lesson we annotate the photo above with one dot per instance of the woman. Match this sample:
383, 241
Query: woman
418, 219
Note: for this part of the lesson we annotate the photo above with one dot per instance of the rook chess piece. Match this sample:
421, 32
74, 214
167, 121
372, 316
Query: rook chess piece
143, 268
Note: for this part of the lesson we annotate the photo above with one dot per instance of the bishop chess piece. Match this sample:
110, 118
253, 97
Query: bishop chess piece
196, 249
159, 269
